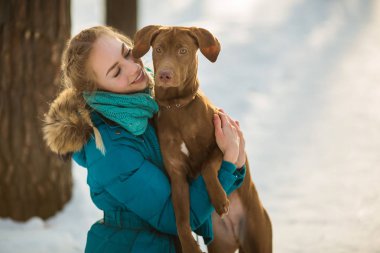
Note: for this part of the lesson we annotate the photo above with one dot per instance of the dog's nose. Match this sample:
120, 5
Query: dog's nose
165, 75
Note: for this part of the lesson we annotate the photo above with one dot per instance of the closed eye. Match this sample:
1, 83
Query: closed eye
127, 53
117, 72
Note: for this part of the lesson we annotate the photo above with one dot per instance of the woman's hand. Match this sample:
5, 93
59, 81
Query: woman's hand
242, 156
241, 159
227, 137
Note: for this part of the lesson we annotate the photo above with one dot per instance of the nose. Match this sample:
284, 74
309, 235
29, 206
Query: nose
131, 67
165, 75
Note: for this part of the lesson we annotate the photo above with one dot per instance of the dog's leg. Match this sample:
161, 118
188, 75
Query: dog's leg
256, 234
216, 192
224, 237
181, 204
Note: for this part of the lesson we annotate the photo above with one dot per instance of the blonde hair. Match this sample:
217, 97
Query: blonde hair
77, 76
75, 70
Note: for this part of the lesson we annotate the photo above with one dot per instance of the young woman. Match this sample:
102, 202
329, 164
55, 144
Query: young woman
103, 117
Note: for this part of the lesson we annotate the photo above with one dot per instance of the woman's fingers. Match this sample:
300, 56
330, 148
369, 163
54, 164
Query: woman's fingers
231, 130
222, 124
217, 121
228, 117
228, 124
237, 125
224, 119
233, 122
217, 124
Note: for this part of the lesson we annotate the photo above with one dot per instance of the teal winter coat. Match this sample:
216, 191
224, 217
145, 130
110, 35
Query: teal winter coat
130, 185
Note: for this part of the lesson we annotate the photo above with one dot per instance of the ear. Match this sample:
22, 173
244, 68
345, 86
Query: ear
208, 44
143, 39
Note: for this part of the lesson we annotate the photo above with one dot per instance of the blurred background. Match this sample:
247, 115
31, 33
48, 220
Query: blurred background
301, 76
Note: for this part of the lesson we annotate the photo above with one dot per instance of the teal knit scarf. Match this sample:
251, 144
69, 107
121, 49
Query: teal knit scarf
131, 111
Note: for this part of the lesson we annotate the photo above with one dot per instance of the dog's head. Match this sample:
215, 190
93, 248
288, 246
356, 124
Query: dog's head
174, 52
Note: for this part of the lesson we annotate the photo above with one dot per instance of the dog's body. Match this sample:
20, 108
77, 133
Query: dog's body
186, 134
174, 130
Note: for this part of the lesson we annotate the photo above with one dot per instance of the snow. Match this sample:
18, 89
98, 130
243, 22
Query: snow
63, 233
302, 77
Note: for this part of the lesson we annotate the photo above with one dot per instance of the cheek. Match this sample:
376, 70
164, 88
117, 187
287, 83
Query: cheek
187, 62
123, 80
99, 82
94, 77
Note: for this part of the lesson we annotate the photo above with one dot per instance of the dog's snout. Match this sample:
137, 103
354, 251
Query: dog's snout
165, 75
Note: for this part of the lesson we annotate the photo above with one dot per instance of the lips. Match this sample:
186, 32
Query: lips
140, 77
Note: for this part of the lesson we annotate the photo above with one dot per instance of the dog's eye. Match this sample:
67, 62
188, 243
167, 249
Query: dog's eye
159, 50
183, 51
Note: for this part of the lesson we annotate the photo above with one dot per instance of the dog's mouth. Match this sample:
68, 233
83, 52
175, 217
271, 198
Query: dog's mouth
166, 78
166, 85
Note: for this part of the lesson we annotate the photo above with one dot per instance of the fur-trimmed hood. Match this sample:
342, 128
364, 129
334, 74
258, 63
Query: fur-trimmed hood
67, 125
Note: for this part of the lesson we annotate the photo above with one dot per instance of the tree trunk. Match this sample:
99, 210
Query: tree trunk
33, 181
122, 14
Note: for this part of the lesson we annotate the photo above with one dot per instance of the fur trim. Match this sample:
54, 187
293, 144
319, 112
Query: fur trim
67, 125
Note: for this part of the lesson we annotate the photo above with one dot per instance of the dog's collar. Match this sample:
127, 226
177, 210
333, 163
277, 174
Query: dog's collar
180, 104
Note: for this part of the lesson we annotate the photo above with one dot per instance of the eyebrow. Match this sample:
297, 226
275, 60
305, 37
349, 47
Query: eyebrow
115, 64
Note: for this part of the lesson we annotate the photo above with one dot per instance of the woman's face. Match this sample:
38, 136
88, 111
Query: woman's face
115, 68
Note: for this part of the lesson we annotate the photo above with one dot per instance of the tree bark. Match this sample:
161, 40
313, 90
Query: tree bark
122, 14
33, 181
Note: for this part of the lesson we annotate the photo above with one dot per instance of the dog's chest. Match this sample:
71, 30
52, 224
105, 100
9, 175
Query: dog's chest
186, 136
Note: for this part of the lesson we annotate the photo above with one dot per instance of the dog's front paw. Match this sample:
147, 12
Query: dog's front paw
221, 204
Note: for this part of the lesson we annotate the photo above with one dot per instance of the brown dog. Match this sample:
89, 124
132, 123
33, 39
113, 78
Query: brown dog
186, 134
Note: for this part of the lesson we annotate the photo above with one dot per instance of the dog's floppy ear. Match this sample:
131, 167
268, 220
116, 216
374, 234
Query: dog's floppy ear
208, 44
143, 39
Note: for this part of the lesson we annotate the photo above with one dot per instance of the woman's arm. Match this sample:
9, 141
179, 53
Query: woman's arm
144, 189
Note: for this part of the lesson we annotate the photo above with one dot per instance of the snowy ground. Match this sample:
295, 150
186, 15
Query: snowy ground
303, 79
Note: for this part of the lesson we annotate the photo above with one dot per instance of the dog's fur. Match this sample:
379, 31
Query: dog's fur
186, 134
